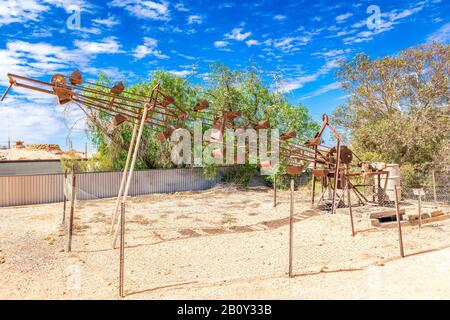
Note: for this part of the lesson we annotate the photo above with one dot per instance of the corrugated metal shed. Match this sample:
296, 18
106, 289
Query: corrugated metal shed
48, 188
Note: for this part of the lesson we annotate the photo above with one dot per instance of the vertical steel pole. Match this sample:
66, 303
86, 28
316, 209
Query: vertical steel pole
133, 162
124, 175
122, 250
125, 194
63, 222
336, 174
291, 229
72, 207
350, 210
314, 178
420, 208
385, 187
399, 225
274, 190
434, 187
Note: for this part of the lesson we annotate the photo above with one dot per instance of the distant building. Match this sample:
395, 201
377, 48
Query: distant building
23, 159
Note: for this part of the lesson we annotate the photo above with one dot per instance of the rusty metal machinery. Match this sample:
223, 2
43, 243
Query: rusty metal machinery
158, 111
166, 116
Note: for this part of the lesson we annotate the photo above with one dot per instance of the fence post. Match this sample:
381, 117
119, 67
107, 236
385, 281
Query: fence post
420, 209
434, 187
274, 190
291, 230
350, 210
72, 207
399, 225
63, 222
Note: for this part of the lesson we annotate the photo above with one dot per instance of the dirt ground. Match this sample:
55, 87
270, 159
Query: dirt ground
219, 243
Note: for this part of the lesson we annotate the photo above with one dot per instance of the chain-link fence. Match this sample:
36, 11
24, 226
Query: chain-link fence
324, 243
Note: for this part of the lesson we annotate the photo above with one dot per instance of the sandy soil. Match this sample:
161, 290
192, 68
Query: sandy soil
219, 243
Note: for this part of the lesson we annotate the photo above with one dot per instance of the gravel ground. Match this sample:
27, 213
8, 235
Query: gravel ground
219, 243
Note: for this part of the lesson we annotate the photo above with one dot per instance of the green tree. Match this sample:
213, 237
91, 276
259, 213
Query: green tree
398, 109
225, 90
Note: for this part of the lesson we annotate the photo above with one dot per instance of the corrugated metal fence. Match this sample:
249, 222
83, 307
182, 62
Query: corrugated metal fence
48, 188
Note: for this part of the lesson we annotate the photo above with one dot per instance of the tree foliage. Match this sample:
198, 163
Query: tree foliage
398, 107
225, 89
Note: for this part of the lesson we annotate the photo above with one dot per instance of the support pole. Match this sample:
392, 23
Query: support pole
314, 178
133, 162
434, 187
291, 227
63, 222
350, 210
420, 208
72, 207
399, 225
336, 174
122, 249
6, 92
385, 187
124, 175
125, 194
274, 190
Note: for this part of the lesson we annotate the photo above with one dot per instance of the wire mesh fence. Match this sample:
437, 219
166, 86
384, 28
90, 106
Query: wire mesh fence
421, 224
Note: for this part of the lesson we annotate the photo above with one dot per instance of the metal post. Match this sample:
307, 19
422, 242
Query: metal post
147, 107
63, 222
274, 190
7, 90
124, 175
434, 187
385, 187
122, 250
379, 194
72, 207
347, 185
336, 175
133, 161
291, 229
420, 208
399, 225
313, 178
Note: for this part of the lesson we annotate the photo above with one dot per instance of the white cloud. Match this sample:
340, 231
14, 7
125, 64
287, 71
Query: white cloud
289, 44
182, 73
252, 42
321, 90
387, 22
341, 18
42, 120
181, 7
279, 17
236, 34
332, 53
107, 45
194, 19
39, 59
109, 22
144, 9
441, 35
20, 11
68, 5
221, 44
149, 48
36, 59
302, 80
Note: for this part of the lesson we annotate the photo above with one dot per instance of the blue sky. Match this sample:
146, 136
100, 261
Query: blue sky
301, 41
